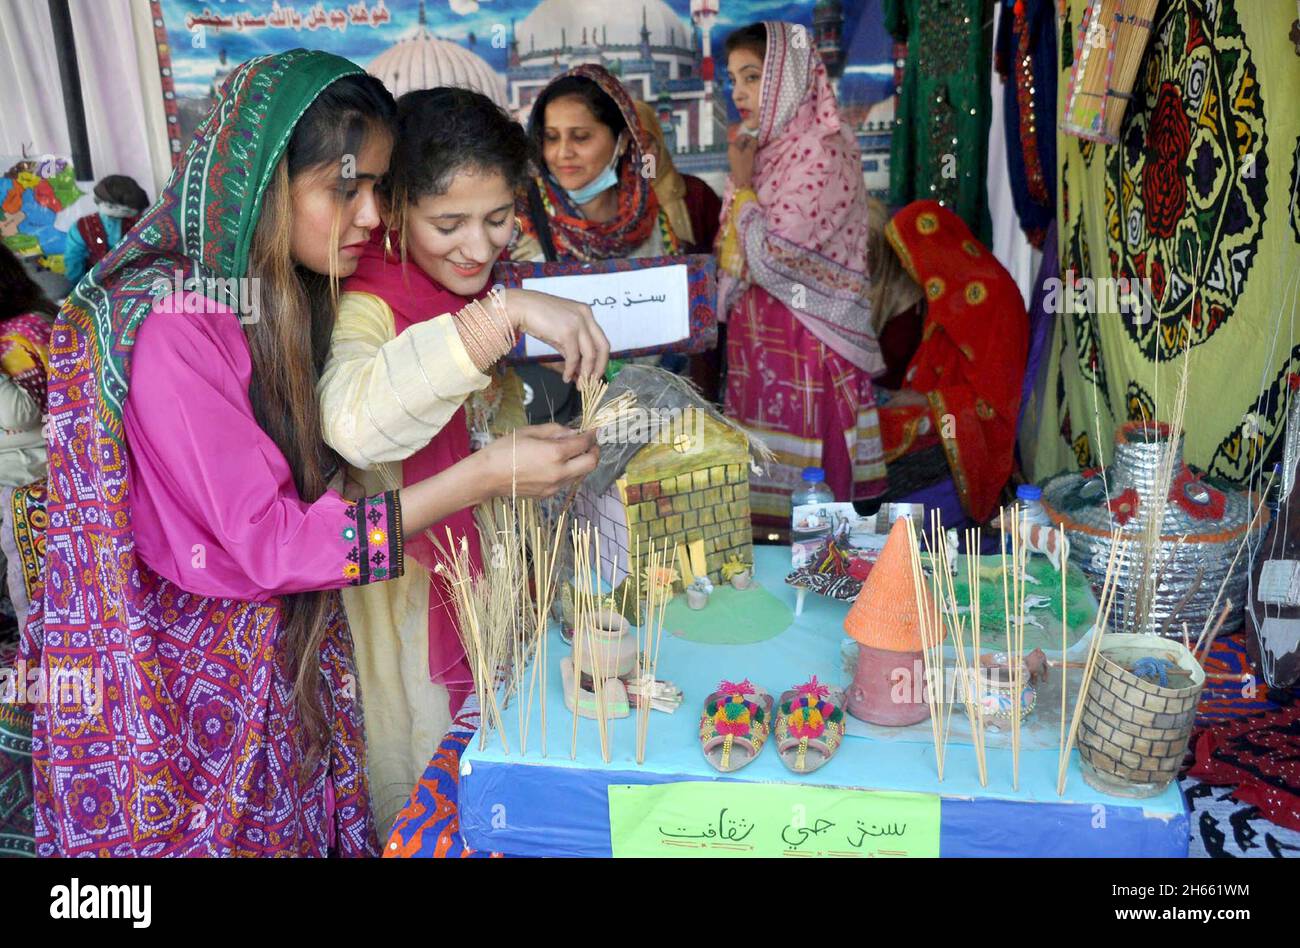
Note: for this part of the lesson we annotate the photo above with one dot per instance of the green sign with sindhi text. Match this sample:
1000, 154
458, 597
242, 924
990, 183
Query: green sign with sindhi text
702, 818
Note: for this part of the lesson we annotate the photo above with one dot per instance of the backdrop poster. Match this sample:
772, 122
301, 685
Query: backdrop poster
668, 52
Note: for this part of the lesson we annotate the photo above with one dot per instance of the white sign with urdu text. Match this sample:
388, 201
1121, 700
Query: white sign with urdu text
637, 309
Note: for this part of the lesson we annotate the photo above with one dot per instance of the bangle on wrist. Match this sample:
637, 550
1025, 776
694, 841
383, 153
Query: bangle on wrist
499, 302
470, 335
505, 326
485, 339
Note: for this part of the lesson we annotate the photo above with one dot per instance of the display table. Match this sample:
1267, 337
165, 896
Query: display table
555, 806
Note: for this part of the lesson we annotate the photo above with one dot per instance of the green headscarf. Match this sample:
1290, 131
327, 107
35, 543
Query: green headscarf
204, 219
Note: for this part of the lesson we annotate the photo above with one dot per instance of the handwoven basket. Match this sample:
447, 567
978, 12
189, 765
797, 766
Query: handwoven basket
1108, 49
1133, 733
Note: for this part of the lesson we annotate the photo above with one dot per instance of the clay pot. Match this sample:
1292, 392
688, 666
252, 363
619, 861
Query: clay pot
611, 649
697, 598
997, 690
889, 687
742, 580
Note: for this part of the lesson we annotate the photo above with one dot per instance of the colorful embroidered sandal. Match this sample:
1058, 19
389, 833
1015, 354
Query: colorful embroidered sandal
734, 725
809, 718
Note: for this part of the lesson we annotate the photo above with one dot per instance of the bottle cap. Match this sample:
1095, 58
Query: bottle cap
814, 474
1029, 492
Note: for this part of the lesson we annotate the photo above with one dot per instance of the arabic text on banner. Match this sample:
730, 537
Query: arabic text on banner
701, 818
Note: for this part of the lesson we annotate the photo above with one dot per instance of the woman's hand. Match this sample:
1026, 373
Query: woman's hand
539, 461
740, 153
563, 324
536, 462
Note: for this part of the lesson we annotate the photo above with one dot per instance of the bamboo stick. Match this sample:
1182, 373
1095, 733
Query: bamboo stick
1065, 618
1094, 650
1200, 655
577, 644
977, 618
665, 594
602, 715
1017, 649
935, 661
544, 612
927, 635
925, 619
974, 711
534, 671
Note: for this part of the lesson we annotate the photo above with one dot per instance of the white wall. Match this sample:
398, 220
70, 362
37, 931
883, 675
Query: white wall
120, 90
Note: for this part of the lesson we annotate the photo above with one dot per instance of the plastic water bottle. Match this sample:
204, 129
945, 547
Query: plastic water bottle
1029, 498
813, 490
1029, 501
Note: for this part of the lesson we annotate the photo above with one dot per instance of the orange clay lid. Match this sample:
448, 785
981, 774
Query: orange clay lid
885, 613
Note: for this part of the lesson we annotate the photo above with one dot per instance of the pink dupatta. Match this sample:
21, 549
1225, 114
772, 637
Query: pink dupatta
414, 297
805, 239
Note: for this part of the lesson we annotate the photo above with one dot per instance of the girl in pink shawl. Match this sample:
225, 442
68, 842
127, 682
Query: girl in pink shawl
794, 281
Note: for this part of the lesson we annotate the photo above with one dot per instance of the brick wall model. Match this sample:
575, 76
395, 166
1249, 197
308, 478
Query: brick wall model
711, 503
1132, 730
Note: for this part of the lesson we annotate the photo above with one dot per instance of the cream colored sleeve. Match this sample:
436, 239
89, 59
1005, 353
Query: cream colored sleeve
383, 397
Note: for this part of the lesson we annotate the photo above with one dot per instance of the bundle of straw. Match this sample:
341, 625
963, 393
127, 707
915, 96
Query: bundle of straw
586, 605
598, 410
974, 680
930, 618
1111, 41
545, 548
649, 636
485, 615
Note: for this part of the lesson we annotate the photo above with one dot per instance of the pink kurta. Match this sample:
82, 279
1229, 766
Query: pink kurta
216, 509
196, 747
809, 404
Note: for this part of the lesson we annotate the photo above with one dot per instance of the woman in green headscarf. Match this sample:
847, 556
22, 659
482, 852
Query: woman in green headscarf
194, 549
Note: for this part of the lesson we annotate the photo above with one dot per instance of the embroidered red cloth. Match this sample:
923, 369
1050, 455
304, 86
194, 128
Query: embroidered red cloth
1261, 755
970, 364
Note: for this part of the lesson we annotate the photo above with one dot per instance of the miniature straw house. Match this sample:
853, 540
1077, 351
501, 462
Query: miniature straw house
684, 479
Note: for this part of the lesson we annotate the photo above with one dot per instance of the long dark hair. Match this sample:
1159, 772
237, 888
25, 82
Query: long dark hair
289, 347
19, 293
441, 132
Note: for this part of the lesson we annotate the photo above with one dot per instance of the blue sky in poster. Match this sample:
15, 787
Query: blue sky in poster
473, 24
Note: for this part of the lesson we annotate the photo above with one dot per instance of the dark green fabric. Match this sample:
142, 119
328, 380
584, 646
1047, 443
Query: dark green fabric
944, 95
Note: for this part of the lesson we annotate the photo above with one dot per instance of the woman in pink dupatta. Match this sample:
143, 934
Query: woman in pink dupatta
794, 280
